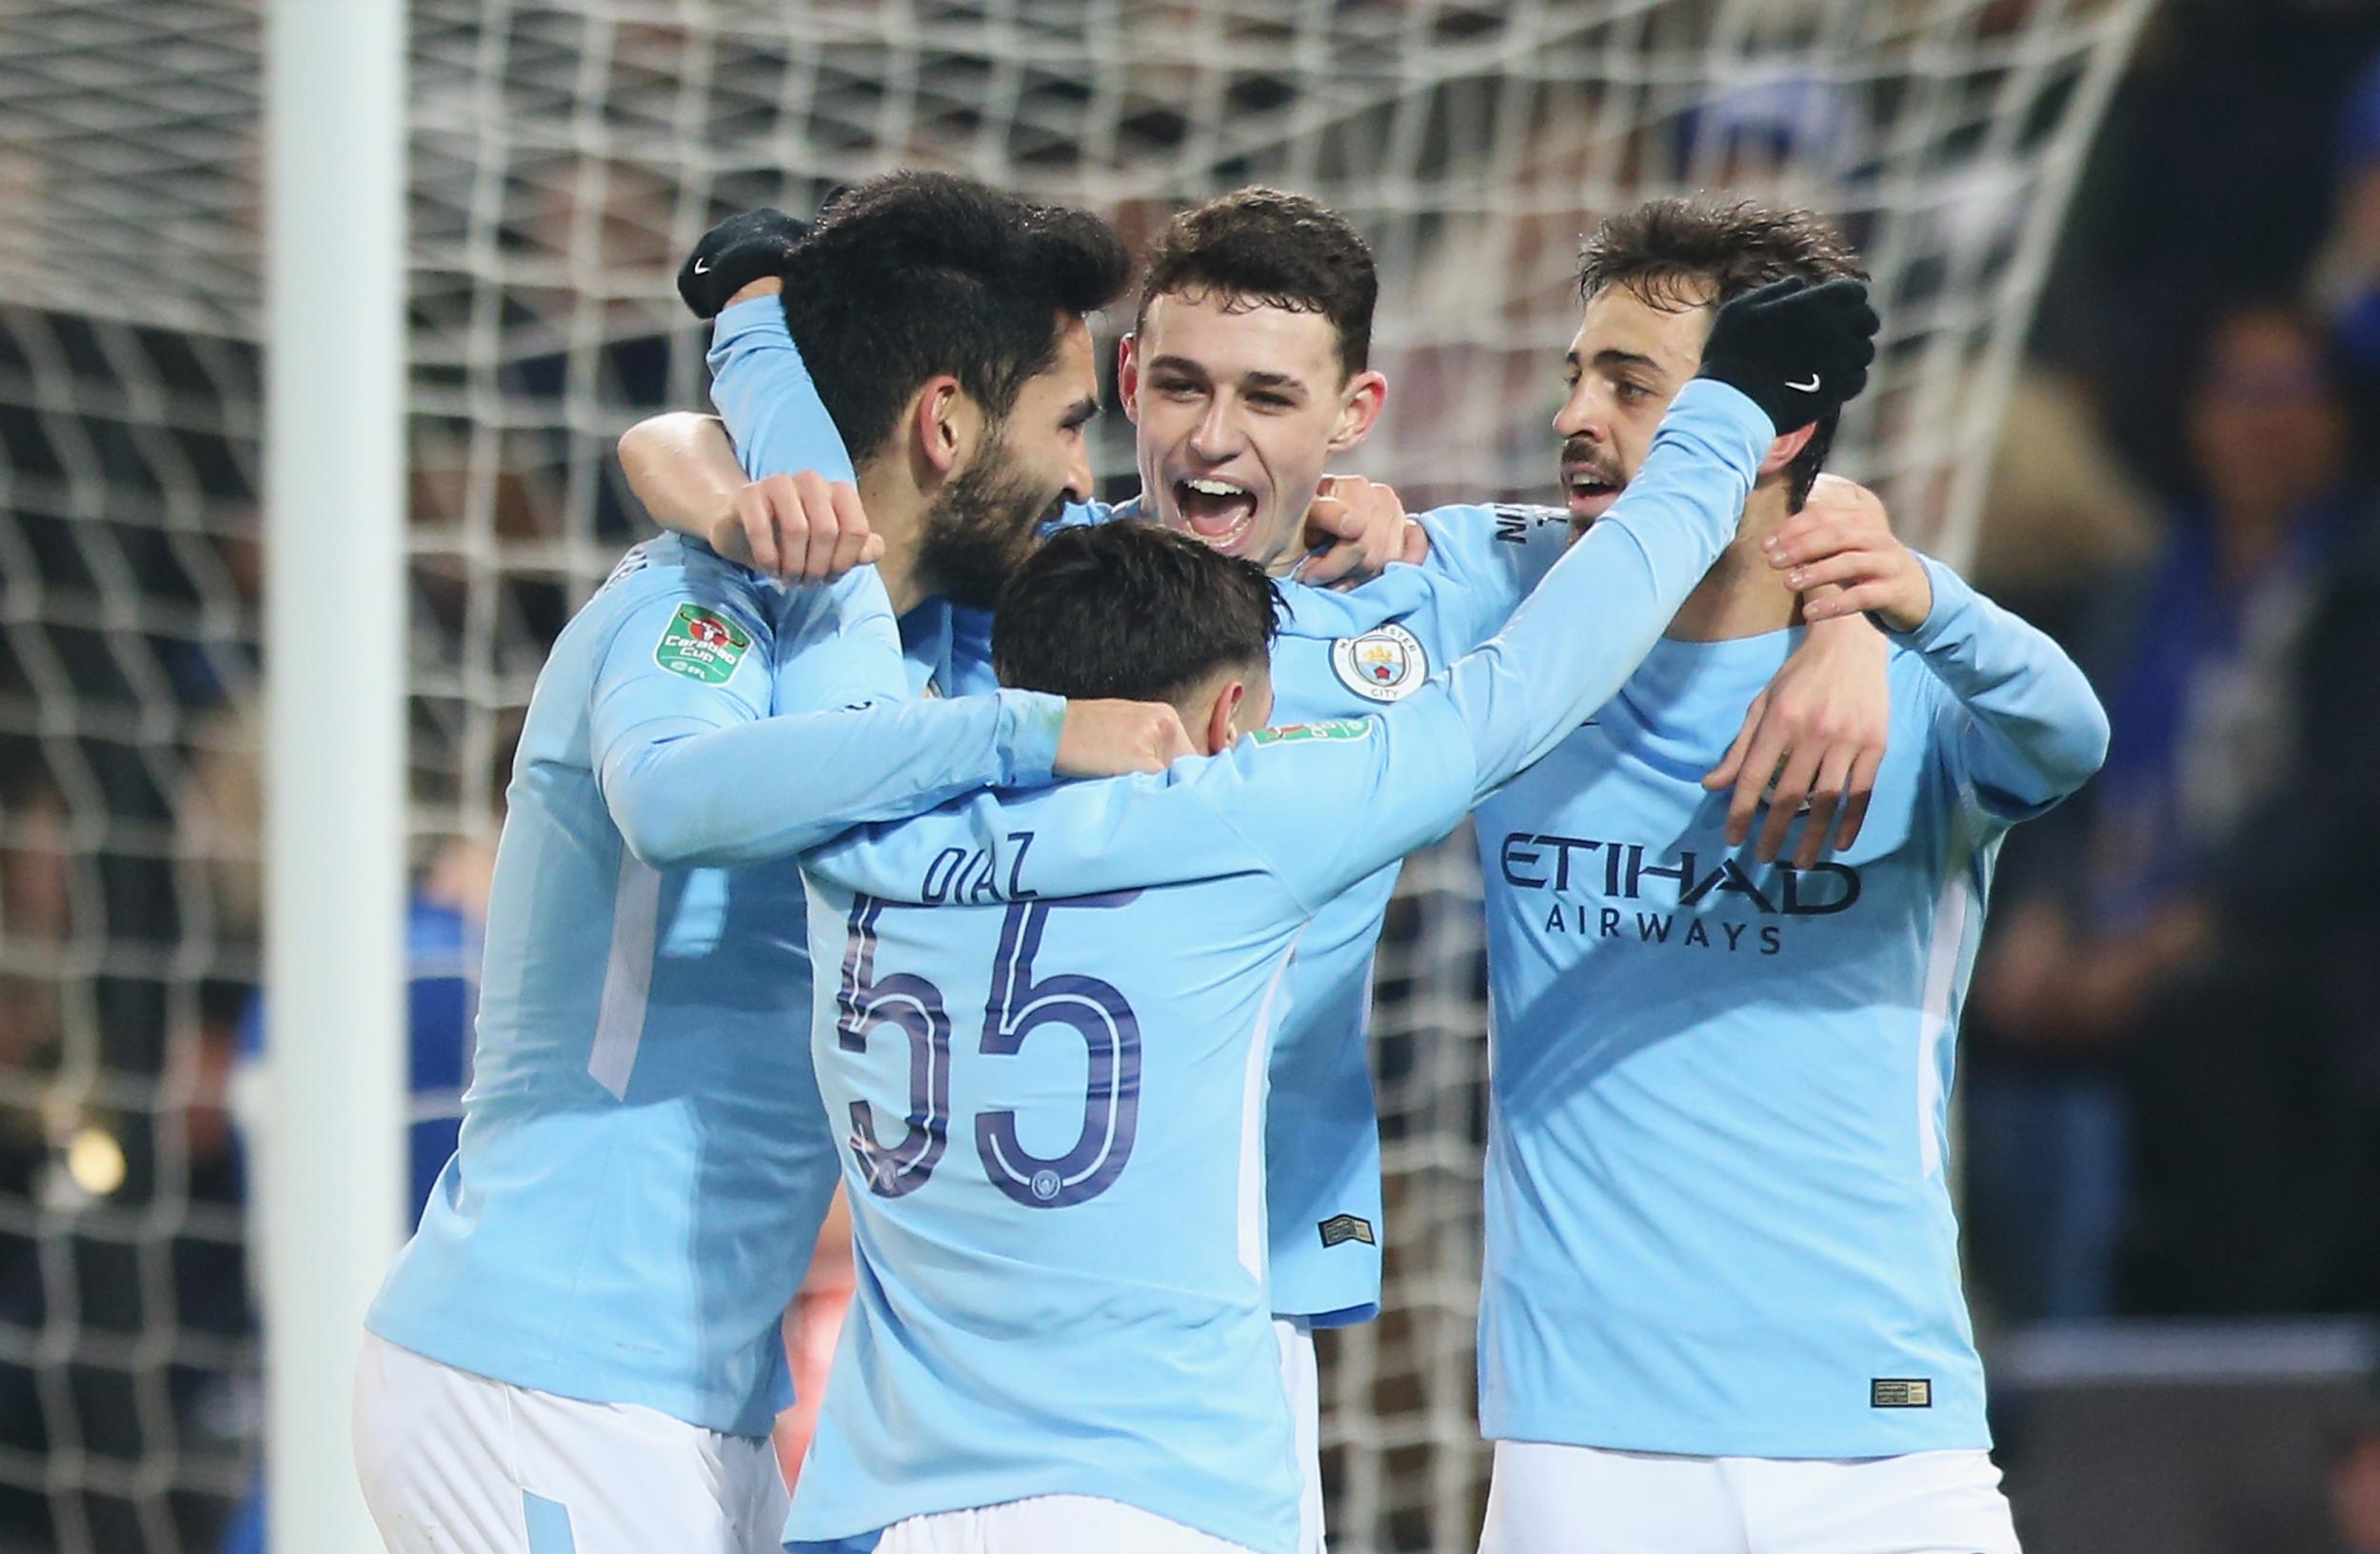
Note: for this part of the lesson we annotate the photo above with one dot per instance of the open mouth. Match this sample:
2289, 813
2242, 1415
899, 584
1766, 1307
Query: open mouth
1590, 493
1218, 511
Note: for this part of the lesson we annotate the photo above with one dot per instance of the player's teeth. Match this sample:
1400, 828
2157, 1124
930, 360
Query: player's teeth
1214, 488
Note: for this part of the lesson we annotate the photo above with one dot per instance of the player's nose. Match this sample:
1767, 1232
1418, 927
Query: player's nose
1577, 418
1216, 435
1079, 473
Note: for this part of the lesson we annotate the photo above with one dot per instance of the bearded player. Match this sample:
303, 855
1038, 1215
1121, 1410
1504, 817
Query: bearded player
1247, 372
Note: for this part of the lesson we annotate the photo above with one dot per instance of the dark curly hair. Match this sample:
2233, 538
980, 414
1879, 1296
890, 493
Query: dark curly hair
1679, 253
913, 275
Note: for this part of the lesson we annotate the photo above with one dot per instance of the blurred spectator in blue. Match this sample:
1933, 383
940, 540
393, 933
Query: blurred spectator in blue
2301, 892
2210, 180
2108, 980
2199, 697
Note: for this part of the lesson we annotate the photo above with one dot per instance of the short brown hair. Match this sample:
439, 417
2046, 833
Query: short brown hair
1669, 252
1261, 248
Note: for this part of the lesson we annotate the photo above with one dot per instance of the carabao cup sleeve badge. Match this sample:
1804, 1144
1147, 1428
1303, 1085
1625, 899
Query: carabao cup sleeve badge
702, 645
1385, 664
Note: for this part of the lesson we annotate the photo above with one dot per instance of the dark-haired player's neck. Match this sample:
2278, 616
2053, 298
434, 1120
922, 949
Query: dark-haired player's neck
940, 432
896, 509
1743, 595
1235, 700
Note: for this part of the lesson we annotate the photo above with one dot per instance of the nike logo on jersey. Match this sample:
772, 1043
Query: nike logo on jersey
1810, 388
701, 267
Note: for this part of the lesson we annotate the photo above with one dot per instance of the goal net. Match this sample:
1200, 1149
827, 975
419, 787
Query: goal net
564, 155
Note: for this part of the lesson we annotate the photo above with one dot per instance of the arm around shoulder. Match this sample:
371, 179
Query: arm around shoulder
2038, 731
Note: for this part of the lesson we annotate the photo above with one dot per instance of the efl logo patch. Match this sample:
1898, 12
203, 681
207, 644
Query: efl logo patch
1900, 1392
702, 645
1292, 733
1386, 663
1340, 1227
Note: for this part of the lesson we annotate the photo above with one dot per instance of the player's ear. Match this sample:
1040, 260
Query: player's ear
945, 423
1787, 448
1222, 729
1360, 406
1128, 376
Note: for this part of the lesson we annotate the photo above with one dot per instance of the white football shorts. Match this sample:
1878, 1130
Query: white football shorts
1301, 1376
1580, 1499
457, 1463
1049, 1524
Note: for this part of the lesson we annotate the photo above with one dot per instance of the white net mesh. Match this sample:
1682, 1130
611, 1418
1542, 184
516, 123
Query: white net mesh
562, 156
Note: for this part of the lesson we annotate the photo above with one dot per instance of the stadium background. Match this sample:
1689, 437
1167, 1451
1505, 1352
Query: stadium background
2140, 415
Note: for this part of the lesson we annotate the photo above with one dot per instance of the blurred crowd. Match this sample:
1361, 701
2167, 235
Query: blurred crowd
2172, 1046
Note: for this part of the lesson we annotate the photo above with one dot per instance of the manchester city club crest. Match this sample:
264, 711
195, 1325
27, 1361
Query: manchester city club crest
1386, 663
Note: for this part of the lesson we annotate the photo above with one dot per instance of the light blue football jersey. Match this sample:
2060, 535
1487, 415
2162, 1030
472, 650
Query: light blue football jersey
1717, 1217
1340, 654
644, 1162
1048, 1055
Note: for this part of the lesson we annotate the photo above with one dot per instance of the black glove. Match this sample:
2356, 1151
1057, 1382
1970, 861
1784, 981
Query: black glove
1798, 351
734, 254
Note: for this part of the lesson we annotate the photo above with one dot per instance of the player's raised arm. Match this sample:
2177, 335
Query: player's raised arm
791, 507
1787, 353
797, 528
1577, 638
2035, 730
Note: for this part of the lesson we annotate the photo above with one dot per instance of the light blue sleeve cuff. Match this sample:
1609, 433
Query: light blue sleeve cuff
753, 316
1724, 405
1722, 426
1030, 722
1954, 604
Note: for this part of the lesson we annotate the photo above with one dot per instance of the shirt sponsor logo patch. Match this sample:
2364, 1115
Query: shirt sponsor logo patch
1513, 522
1292, 733
1900, 1392
702, 645
1341, 1227
1386, 663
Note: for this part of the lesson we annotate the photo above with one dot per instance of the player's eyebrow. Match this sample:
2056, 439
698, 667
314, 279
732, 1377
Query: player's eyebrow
1284, 382
1608, 357
1080, 412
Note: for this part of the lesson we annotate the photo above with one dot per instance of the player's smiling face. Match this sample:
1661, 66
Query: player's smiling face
1627, 362
1046, 426
1238, 408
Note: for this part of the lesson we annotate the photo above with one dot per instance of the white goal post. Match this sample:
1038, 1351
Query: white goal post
330, 1182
